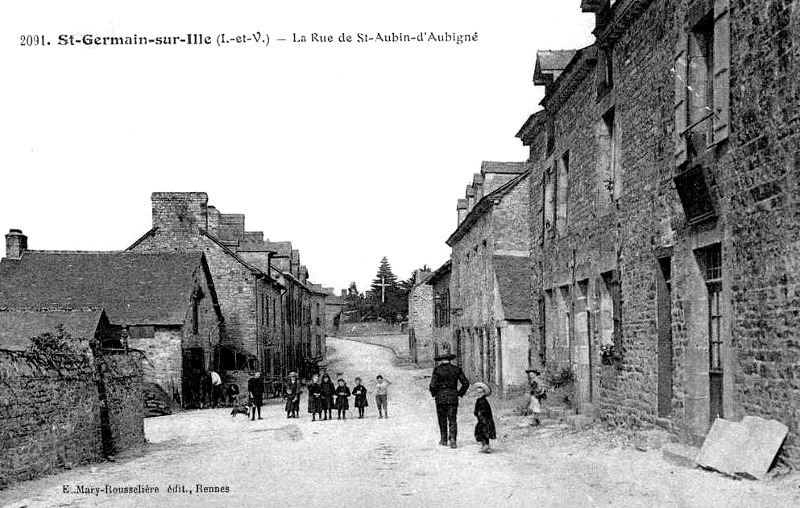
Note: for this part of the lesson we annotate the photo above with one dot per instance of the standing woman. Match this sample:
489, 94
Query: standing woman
328, 391
315, 398
360, 393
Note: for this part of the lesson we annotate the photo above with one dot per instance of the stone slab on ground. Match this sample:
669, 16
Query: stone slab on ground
680, 454
742, 449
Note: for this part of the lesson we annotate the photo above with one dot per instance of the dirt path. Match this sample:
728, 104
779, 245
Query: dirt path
395, 462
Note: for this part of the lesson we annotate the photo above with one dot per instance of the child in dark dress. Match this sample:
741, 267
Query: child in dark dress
328, 391
292, 396
342, 400
484, 429
315, 398
360, 393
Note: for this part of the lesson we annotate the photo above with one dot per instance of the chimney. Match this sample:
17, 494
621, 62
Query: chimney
420, 275
462, 210
180, 214
16, 244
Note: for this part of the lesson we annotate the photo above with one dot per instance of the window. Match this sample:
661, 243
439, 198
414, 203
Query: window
549, 202
702, 84
195, 314
710, 259
609, 171
562, 187
442, 308
610, 319
605, 71
142, 332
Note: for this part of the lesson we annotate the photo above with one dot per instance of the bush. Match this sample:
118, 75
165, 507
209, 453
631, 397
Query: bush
59, 342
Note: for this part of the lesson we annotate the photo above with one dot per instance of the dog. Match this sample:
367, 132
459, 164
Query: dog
240, 410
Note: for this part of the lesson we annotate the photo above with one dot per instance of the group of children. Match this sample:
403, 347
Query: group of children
323, 396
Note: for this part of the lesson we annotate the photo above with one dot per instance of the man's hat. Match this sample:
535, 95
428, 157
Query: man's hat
293, 374
444, 356
486, 388
535, 370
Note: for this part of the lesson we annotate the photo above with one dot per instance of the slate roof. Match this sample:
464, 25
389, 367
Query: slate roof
482, 206
550, 63
440, 273
17, 326
514, 283
509, 168
134, 288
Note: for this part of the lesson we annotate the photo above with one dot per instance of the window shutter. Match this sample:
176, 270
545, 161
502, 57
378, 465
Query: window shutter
722, 66
680, 66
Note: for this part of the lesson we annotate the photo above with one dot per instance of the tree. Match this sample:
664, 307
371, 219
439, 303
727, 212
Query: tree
353, 303
387, 299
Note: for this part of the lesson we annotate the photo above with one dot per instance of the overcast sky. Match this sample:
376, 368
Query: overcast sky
352, 151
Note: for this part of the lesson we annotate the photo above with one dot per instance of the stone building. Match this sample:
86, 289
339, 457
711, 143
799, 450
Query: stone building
261, 284
663, 213
442, 331
163, 304
183, 222
430, 314
420, 318
317, 315
334, 312
489, 280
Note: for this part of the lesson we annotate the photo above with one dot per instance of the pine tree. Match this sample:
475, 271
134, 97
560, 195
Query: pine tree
389, 301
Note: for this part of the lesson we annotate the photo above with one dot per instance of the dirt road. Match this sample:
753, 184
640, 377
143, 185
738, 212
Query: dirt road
394, 462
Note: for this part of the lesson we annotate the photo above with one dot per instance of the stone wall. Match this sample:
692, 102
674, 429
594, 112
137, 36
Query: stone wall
760, 181
124, 395
52, 415
660, 372
420, 323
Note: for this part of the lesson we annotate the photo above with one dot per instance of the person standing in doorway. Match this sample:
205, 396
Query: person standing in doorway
382, 396
444, 389
255, 390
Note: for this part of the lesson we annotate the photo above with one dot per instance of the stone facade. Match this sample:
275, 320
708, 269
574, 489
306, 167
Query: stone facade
442, 333
420, 319
662, 214
334, 312
62, 410
263, 289
494, 226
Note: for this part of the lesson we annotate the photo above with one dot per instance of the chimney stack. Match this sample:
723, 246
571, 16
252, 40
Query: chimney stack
16, 244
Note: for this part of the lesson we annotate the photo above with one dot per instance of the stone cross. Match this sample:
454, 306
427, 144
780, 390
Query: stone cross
383, 285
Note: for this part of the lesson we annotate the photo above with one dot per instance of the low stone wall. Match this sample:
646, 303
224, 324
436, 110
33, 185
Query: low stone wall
51, 414
370, 329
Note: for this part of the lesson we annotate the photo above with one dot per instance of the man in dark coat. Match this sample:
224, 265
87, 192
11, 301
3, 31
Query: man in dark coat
444, 388
255, 389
